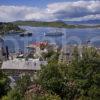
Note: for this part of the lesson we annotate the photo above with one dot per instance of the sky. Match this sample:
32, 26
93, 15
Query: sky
49, 10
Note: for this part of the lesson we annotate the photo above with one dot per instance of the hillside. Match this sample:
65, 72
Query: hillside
58, 24
9, 27
88, 22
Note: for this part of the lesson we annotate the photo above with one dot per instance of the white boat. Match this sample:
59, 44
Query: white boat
55, 33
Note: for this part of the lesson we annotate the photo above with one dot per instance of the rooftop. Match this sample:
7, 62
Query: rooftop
22, 64
37, 44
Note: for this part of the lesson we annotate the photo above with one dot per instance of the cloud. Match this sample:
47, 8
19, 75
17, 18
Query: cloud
13, 13
79, 10
75, 9
85, 18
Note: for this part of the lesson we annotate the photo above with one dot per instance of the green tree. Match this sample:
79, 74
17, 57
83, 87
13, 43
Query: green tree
85, 72
78, 79
4, 84
23, 83
46, 97
51, 78
54, 78
13, 95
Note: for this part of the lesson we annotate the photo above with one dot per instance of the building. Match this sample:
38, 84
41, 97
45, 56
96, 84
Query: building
19, 66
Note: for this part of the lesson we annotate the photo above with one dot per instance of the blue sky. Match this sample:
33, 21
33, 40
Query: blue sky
39, 3
49, 10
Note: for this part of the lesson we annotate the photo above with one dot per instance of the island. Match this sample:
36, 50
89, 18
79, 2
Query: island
8, 27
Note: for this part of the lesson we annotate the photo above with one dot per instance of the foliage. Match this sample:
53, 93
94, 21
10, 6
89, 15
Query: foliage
13, 95
4, 84
46, 97
55, 79
7, 27
50, 77
51, 56
79, 79
86, 73
23, 83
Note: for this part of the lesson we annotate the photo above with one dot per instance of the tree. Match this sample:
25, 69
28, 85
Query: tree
79, 79
54, 78
51, 78
4, 84
85, 72
46, 97
13, 95
23, 83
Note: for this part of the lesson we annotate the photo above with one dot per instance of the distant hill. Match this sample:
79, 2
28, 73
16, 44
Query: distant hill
59, 24
92, 22
44, 24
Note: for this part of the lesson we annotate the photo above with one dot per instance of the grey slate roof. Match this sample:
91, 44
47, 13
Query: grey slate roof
21, 64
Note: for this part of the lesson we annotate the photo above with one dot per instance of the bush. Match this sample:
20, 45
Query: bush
46, 97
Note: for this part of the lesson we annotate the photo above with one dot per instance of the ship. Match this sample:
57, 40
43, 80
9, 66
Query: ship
57, 33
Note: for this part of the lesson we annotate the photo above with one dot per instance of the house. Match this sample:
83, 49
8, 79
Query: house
19, 66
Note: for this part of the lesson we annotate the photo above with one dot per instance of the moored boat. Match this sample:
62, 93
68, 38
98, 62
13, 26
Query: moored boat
29, 34
25, 34
54, 34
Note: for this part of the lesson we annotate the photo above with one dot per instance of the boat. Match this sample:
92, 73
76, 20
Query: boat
29, 34
22, 35
57, 32
25, 34
54, 34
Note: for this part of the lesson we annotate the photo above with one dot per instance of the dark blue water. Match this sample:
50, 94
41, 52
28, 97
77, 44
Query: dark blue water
71, 36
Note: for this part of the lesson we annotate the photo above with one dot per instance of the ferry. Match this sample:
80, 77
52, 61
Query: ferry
57, 32
54, 34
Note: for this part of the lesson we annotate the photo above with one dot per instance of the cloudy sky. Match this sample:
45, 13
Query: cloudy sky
49, 10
